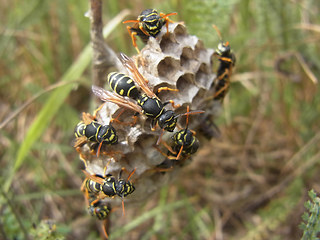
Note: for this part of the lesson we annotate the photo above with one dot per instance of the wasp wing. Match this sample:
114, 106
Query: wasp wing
139, 79
80, 141
108, 96
87, 118
93, 177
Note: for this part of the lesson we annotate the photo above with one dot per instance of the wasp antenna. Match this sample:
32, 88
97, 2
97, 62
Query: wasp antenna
169, 14
218, 31
187, 120
179, 115
189, 113
131, 21
130, 175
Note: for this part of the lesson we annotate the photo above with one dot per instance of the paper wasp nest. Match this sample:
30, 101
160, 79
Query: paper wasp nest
175, 60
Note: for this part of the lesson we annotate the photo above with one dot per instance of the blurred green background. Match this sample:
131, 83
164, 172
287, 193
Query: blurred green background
250, 184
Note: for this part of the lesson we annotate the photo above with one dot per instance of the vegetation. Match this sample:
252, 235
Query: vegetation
249, 184
312, 226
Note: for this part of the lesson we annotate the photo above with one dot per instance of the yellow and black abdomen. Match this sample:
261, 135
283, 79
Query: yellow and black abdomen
99, 210
92, 186
123, 85
79, 130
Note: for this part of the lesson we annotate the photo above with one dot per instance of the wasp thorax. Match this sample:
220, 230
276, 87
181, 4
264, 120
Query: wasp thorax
108, 134
108, 188
167, 121
120, 186
151, 107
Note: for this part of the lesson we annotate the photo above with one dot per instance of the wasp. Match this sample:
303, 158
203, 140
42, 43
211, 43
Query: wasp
98, 209
184, 142
124, 187
146, 103
97, 184
101, 211
107, 185
227, 61
90, 130
148, 24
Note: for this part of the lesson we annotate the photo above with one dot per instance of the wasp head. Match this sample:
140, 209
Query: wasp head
223, 49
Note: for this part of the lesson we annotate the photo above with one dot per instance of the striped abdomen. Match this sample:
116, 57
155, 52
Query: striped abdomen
100, 210
79, 130
92, 186
123, 85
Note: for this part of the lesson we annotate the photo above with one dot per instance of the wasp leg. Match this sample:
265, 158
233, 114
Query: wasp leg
225, 59
134, 120
129, 173
168, 164
166, 17
179, 154
172, 104
169, 149
96, 111
132, 123
225, 87
153, 125
99, 148
167, 89
117, 119
133, 38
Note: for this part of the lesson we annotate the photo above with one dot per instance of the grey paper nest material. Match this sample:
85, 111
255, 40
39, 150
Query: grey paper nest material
175, 60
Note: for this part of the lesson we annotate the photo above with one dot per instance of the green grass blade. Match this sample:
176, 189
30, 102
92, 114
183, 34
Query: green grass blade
57, 98
148, 215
